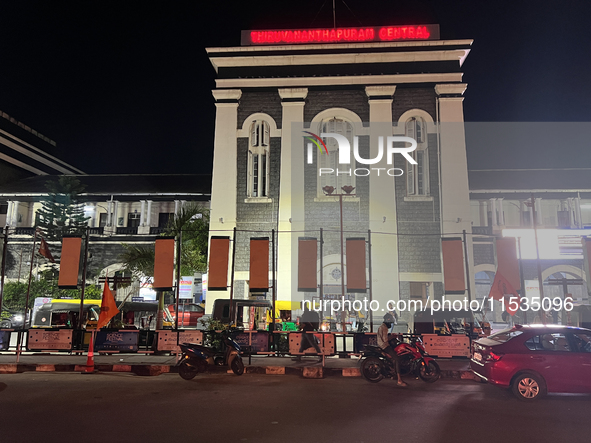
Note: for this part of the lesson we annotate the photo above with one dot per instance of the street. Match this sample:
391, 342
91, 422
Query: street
57, 407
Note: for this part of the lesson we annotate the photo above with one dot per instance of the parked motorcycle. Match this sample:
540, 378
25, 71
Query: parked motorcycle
376, 364
195, 358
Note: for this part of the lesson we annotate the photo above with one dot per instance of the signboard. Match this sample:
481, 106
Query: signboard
455, 345
197, 287
167, 339
258, 341
186, 287
138, 299
123, 340
54, 339
340, 35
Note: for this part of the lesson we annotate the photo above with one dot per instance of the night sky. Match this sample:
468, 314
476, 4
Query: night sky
125, 86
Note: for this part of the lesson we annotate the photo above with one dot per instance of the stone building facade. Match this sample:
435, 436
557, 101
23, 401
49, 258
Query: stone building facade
265, 176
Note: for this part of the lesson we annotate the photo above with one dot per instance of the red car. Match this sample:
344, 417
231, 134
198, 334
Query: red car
190, 314
533, 360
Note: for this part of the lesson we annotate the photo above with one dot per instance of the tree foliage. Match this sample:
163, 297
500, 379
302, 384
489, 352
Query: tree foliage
62, 209
15, 293
193, 222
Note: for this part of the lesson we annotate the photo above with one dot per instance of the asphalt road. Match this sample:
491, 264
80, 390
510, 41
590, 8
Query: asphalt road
60, 407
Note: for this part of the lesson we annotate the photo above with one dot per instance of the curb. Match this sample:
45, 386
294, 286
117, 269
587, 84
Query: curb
313, 372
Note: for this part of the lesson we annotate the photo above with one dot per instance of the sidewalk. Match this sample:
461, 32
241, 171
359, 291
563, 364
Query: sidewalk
140, 364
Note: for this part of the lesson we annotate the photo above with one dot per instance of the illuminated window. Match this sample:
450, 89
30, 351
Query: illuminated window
345, 177
417, 176
258, 159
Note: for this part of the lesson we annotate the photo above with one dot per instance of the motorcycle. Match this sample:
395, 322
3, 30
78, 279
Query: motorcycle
376, 364
195, 358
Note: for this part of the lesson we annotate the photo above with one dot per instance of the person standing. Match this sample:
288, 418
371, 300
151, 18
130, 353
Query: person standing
309, 323
384, 344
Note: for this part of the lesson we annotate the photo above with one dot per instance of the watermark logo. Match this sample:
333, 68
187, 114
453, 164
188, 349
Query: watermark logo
344, 152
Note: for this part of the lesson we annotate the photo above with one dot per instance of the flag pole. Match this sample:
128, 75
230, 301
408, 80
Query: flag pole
20, 336
84, 268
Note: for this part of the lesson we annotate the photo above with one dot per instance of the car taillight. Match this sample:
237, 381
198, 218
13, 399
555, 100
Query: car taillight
494, 357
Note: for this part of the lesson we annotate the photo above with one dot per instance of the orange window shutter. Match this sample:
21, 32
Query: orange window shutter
163, 264
307, 259
453, 265
259, 265
217, 275
70, 263
356, 281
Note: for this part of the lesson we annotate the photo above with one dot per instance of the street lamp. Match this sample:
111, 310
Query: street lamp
328, 190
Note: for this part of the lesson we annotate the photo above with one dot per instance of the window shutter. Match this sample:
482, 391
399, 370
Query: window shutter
249, 185
419, 130
410, 179
253, 134
265, 127
410, 128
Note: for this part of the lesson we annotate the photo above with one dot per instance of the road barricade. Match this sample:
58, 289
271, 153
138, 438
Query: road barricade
167, 339
54, 339
117, 340
325, 342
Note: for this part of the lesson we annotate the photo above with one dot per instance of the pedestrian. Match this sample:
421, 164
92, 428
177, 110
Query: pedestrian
309, 323
384, 344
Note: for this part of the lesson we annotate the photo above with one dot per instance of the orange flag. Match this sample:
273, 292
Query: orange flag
45, 252
501, 288
108, 307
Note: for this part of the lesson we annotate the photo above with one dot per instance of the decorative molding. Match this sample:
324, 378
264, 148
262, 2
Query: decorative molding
382, 91
455, 88
293, 93
226, 94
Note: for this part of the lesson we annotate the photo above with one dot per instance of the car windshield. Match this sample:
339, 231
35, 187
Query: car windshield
504, 336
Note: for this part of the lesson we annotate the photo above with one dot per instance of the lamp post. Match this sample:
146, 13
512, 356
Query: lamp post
328, 190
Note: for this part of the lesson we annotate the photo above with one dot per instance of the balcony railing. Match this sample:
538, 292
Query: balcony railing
127, 231
156, 230
96, 231
482, 230
24, 231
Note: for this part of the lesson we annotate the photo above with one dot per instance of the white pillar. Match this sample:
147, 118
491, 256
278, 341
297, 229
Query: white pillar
501, 212
110, 213
15, 213
483, 212
291, 193
9, 213
539, 214
149, 214
224, 175
382, 203
493, 211
455, 198
578, 212
142, 212
116, 213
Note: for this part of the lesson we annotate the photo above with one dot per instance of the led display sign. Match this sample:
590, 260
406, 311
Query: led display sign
341, 35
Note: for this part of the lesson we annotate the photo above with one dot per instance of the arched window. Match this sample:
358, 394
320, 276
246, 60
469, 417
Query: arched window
417, 176
258, 159
345, 176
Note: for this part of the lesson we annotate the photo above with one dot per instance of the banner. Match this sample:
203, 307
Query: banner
219, 249
259, 265
356, 281
163, 264
307, 264
70, 263
186, 288
453, 265
507, 281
